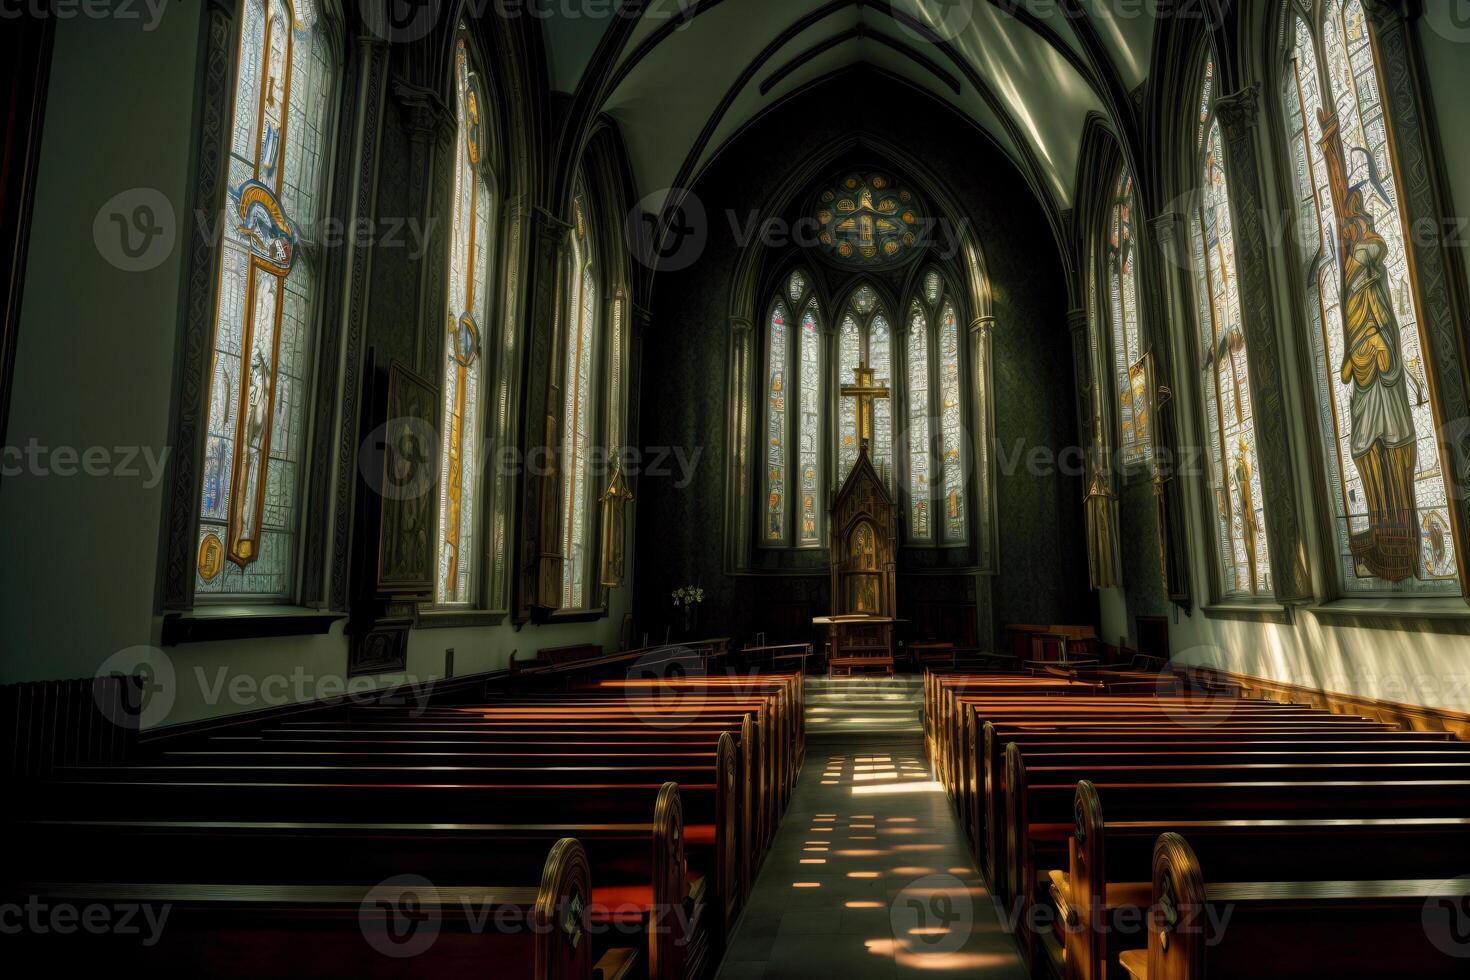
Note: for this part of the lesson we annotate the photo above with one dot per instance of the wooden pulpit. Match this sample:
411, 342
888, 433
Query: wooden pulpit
864, 529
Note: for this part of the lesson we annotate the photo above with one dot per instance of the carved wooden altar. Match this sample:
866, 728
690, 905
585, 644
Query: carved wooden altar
864, 529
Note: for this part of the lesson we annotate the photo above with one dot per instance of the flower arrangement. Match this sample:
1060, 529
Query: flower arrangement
688, 598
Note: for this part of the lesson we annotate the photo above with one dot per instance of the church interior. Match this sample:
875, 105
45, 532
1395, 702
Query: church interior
693, 489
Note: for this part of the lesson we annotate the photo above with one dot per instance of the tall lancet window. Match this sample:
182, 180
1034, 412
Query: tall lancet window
1121, 258
865, 340
577, 393
1376, 410
794, 415
936, 485
266, 301
1235, 479
463, 370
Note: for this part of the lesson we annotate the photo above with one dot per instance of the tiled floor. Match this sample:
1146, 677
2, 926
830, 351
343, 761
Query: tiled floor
869, 877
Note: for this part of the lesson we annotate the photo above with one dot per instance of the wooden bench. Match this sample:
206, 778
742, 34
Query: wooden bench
1335, 928
308, 930
1107, 880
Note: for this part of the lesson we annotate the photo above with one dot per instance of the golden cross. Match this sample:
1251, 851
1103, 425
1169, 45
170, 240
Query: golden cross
864, 390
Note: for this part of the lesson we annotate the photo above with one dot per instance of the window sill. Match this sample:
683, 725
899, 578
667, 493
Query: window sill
209, 624
1261, 612
1399, 613
431, 618
577, 615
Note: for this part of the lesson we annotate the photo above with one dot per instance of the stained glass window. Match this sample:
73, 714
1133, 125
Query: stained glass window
268, 283
951, 426
794, 364
581, 333
1234, 467
920, 490
463, 384
776, 368
1122, 284
868, 220
936, 466
865, 339
809, 434
849, 357
1376, 411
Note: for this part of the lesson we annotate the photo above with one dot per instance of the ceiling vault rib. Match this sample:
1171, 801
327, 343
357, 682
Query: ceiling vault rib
1009, 8
593, 88
1030, 167
859, 33
1114, 94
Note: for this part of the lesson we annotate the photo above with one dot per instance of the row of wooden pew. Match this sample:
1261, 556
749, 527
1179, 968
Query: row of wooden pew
1193, 833
610, 831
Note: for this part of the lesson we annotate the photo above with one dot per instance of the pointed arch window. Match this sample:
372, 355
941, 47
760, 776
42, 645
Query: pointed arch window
463, 382
1230, 421
267, 292
794, 427
577, 387
1376, 412
1121, 258
936, 460
865, 338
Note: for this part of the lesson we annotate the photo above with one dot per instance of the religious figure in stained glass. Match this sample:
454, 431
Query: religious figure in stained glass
1377, 416
266, 294
866, 220
463, 363
1225, 369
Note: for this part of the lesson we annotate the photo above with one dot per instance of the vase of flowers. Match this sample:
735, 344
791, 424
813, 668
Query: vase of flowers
687, 599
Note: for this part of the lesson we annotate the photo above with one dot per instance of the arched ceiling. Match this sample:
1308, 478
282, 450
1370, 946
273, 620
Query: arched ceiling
694, 73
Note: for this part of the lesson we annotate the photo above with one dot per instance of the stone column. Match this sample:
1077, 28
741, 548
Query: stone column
738, 480
540, 573
983, 442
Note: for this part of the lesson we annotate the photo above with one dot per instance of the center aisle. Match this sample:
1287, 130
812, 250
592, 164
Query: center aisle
869, 876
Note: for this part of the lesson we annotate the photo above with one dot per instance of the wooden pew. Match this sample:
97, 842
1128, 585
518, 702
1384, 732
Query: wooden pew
1347, 929
309, 930
1107, 882
671, 955
717, 835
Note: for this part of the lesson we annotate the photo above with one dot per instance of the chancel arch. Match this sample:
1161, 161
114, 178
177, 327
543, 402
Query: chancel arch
906, 261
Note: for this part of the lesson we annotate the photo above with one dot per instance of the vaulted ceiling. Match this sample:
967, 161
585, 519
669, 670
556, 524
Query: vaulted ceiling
693, 73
